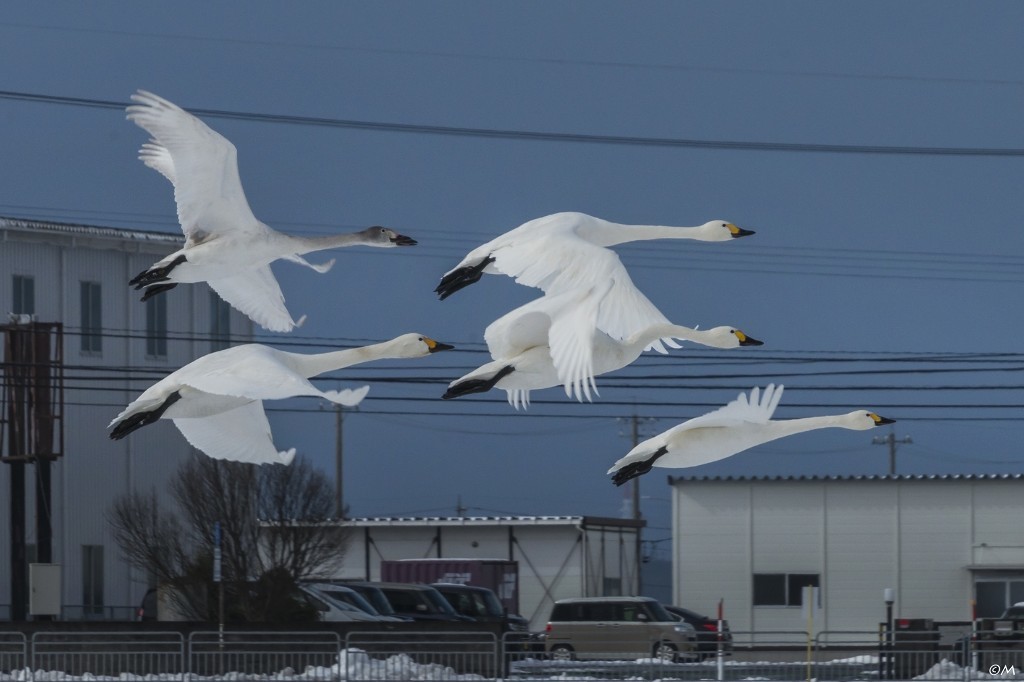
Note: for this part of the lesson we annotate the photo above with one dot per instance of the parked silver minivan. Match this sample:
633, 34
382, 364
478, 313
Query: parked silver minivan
617, 627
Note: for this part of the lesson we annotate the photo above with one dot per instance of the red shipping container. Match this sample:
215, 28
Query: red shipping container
499, 575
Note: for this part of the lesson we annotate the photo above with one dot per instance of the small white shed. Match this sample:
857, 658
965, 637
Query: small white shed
558, 556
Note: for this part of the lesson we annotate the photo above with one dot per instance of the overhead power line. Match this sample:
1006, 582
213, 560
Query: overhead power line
537, 135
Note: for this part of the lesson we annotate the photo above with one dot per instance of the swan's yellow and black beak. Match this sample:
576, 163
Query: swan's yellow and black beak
436, 346
880, 420
402, 240
747, 340
738, 232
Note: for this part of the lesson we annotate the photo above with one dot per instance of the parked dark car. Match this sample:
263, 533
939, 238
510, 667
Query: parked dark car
419, 602
480, 604
373, 594
707, 631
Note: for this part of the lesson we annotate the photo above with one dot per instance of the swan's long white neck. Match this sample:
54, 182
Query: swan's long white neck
604, 233
301, 245
788, 427
318, 363
636, 343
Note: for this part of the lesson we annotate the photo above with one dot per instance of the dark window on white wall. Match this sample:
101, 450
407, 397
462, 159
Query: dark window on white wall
220, 322
994, 594
782, 589
156, 327
24, 296
92, 317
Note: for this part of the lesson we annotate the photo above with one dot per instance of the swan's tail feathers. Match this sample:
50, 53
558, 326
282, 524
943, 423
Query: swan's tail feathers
460, 278
460, 388
154, 289
348, 397
124, 425
519, 398
286, 456
621, 473
322, 268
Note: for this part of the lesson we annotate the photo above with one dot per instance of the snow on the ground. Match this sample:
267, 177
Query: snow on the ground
356, 664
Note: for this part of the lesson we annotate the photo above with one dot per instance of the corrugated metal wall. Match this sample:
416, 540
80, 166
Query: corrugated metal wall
920, 536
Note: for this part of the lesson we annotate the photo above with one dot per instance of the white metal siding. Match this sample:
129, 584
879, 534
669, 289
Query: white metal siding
712, 550
860, 551
998, 536
935, 531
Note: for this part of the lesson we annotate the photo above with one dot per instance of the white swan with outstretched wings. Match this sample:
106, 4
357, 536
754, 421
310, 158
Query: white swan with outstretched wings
225, 244
739, 425
567, 251
216, 401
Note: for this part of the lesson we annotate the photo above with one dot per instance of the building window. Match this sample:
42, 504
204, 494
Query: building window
220, 322
92, 317
156, 327
92, 580
782, 589
24, 296
994, 595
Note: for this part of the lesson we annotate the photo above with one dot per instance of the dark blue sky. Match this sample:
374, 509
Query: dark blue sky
879, 278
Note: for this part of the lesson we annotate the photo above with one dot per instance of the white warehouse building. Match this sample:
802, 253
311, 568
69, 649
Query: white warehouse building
939, 542
113, 346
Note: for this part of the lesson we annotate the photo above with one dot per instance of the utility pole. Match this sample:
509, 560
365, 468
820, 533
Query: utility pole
891, 441
339, 460
634, 438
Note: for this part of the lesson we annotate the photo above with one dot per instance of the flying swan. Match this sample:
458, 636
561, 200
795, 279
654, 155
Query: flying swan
740, 425
216, 401
526, 342
225, 245
566, 251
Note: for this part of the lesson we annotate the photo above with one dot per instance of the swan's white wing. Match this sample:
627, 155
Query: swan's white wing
239, 435
571, 339
523, 328
256, 293
755, 410
571, 264
201, 163
347, 397
156, 156
251, 371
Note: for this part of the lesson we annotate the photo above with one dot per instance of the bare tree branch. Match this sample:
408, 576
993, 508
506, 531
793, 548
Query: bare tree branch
274, 531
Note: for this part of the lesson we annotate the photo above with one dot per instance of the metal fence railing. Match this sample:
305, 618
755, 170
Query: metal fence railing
13, 651
267, 655
326, 656
110, 654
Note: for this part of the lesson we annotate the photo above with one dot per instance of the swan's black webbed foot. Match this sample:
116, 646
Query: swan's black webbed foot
154, 289
155, 274
634, 469
461, 278
140, 419
477, 385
